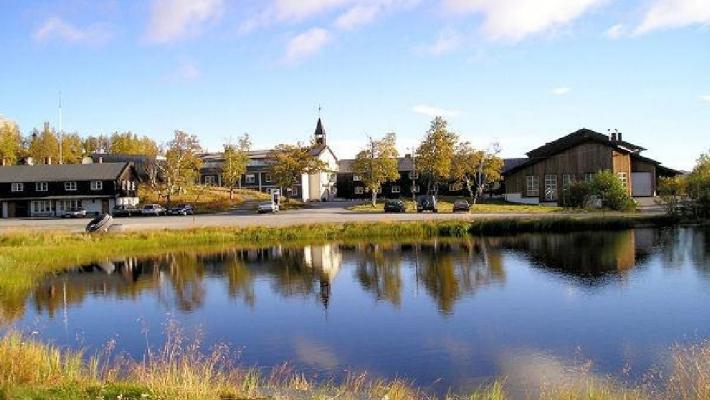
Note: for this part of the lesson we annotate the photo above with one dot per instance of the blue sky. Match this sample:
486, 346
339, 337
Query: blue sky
521, 72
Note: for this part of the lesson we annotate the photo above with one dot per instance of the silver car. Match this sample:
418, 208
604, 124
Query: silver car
268, 207
153, 210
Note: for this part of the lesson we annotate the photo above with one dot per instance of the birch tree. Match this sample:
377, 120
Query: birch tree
236, 158
377, 164
182, 163
290, 162
435, 153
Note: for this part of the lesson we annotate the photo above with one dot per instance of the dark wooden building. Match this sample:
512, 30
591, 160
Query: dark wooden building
51, 190
550, 169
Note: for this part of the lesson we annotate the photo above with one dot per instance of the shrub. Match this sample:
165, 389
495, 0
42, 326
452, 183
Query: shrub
606, 187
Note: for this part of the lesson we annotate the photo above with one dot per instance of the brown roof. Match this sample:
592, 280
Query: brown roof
578, 137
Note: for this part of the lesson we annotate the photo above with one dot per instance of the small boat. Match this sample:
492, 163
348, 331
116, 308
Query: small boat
99, 224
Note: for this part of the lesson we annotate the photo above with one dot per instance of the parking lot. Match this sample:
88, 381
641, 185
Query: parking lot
322, 213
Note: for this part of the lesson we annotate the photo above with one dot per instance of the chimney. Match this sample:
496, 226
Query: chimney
613, 136
618, 136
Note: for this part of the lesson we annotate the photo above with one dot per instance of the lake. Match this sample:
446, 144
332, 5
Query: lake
441, 313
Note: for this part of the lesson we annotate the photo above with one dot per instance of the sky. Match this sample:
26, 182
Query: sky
517, 72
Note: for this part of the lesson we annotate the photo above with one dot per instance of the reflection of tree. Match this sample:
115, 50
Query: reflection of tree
240, 281
186, 273
586, 256
378, 271
449, 270
687, 245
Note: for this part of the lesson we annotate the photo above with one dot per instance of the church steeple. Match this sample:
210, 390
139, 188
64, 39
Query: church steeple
319, 133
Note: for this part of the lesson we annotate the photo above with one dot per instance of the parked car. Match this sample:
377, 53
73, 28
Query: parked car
427, 203
267, 207
153, 209
395, 206
78, 213
462, 205
125, 211
182, 209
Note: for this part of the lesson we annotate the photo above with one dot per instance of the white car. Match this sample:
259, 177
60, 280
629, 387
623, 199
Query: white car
153, 209
269, 207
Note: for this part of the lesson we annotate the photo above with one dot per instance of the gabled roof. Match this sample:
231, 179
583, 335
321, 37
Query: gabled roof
510, 163
404, 164
62, 173
581, 136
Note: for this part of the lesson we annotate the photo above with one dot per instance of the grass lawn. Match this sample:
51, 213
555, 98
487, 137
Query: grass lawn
206, 199
446, 204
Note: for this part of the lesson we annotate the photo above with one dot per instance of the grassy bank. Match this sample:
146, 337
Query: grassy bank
181, 369
206, 199
446, 205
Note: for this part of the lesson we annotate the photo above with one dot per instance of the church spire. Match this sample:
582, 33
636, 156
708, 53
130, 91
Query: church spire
320, 133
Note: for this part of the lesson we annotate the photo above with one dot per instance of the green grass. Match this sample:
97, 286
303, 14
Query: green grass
206, 199
182, 369
446, 205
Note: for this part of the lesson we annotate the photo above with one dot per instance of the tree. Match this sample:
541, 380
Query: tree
72, 149
290, 162
699, 185
236, 158
43, 145
10, 142
96, 144
130, 143
476, 168
182, 163
377, 164
435, 153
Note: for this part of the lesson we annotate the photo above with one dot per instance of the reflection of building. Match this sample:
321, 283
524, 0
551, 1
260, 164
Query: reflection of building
325, 258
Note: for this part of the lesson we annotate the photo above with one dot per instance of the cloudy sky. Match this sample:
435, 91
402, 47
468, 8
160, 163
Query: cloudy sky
520, 72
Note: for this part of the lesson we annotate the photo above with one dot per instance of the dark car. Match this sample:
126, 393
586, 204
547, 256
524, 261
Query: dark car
182, 209
125, 211
395, 206
462, 205
427, 203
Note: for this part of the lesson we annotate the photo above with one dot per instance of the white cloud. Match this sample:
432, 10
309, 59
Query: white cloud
186, 72
305, 45
172, 20
615, 31
560, 91
364, 12
514, 20
56, 28
431, 111
705, 97
447, 41
665, 14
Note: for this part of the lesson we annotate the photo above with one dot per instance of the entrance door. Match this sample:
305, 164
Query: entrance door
642, 184
104, 206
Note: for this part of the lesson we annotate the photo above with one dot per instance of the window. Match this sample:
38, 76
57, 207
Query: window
359, 190
294, 191
42, 207
455, 187
267, 178
532, 186
41, 186
413, 175
209, 180
250, 178
550, 187
395, 189
68, 205
357, 178
70, 186
18, 187
624, 180
589, 176
566, 181
97, 185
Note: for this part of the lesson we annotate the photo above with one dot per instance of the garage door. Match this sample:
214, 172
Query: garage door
642, 184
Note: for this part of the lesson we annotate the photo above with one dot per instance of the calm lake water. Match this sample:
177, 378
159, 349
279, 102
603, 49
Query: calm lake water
446, 313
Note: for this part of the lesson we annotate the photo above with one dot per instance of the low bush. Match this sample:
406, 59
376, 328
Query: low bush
605, 188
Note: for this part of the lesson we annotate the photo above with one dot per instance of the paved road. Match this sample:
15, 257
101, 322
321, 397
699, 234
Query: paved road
326, 213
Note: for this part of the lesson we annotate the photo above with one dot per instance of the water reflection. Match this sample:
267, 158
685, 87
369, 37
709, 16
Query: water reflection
447, 270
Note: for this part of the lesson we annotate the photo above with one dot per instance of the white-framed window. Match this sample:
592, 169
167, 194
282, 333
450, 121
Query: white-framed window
267, 178
97, 185
41, 186
623, 178
395, 189
41, 207
589, 176
17, 187
357, 178
70, 186
550, 187
294, 191
133, 185
532, 185
359, 190
413, 175
250, 178
209, 180
566, 181
68, 205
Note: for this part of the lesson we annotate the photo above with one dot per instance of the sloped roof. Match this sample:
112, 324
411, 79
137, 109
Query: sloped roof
581, 136
61, 173
319, 128
404, 164
510, 163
